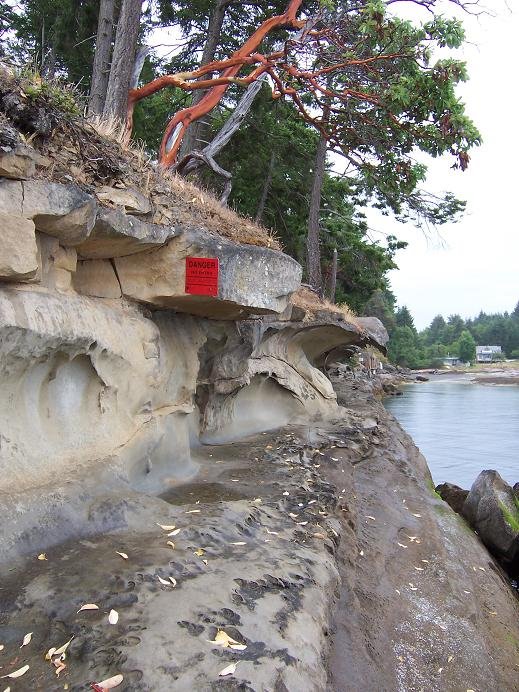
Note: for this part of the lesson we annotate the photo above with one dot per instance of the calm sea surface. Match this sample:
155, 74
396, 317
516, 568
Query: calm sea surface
462, 428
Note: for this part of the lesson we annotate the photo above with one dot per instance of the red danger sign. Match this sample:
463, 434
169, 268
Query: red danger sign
202, 276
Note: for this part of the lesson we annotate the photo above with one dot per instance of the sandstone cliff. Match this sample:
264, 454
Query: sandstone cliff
184, 461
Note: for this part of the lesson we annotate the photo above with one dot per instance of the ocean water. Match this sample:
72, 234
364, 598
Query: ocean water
462, 428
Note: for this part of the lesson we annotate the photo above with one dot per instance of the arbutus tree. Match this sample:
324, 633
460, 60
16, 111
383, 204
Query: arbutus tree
365, 80
373, 70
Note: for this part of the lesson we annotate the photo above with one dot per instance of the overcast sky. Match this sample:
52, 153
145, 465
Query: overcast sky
475, 264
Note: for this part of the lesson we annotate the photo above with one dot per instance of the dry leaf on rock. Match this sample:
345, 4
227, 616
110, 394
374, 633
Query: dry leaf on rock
199, 552
165, 527
61, 649
165, 582
224, 640
60, 666
27, 639
1, 647
239, 543
229, 670
42, 556
110, 683
88, 606
17, 673
174, 533
193, 511
113, 617
171, 544
123, 555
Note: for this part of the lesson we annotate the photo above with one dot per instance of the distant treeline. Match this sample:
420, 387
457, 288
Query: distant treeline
452, 336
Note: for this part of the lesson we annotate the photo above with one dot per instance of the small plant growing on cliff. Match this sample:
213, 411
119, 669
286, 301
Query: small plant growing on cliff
55, 94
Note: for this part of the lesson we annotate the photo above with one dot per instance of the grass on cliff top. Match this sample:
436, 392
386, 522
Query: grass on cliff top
94, 153
308, 300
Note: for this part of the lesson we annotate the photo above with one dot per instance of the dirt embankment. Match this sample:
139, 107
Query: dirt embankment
322, 550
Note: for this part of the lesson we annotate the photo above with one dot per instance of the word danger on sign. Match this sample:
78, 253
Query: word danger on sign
202, 276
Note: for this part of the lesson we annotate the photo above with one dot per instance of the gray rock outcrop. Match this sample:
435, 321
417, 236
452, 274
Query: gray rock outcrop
492, 509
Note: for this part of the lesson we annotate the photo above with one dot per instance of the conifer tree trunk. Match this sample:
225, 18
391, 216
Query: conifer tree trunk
103, 49
123, 59
333, 276
313, 250
195, 132
266, 190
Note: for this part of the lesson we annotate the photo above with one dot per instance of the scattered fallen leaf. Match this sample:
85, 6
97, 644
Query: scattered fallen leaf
110, 683
451, 658
205, 562
27, 639
302, 523
334, 458
424, 560
272, 533
368, 516
482, 569
286, 493
294, 516
17, 673
420, 569
173, 581
239, 543
228, 670
199, 552
171, 544
224, 640
312, 502
42, 556
193, 511
257, 500
166, 527
1, 647
123, 555
113, 617
416, 515
234, 480
402, 545
440, 670
361, 552
164, 582
88, 606
319, 535
174, 533
60, 650
60, 667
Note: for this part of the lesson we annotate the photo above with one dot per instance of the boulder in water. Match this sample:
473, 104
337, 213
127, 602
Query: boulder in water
492, 509
453, 495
